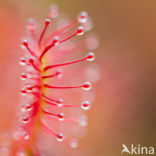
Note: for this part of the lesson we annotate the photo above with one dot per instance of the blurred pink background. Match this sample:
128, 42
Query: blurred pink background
124, 109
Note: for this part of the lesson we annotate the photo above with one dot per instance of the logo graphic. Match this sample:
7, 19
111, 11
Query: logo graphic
137, 150
125, 149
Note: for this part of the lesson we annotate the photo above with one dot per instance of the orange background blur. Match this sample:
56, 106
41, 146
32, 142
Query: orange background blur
125, 108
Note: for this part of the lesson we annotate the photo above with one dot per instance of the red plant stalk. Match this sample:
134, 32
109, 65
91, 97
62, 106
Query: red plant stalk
38, 49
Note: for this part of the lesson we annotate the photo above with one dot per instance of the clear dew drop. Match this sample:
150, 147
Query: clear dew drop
47, 22
73, 143
23, 91
53, 11
28, 88
60, 116
87, 86
83, 121
32, 59
60, 100
24, 119
26, 136
25, 43
60, 75
60, 105
56, 40
16, 135
31, 26
59, 137
83, 17
85, 105
90, 56
80, 31
22, 61
19, 133
88, 25
23, 76
92, 73
92, 42
26, 108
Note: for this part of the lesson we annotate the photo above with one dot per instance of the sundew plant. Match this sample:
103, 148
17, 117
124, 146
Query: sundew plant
43, 104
